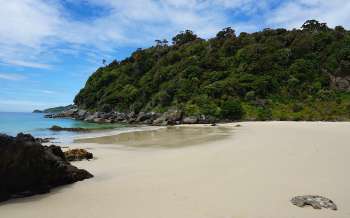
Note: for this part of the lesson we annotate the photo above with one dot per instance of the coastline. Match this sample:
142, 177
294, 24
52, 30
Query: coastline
253, 172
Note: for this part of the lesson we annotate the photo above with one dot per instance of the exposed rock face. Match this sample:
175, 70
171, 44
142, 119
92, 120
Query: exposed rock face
171, 117
340, 83
317, 202
28, 168
78, 155
190, 120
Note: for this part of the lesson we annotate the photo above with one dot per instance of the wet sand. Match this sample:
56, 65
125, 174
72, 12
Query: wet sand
250, 171
167, 137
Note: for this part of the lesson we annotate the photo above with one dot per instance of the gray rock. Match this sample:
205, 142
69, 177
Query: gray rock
92, 117
317, 202
206, 119
82, 113
132, 115
99, 120
142, 116
173, 116
69, 113
120, 116
190, 120
160, 121
340, 83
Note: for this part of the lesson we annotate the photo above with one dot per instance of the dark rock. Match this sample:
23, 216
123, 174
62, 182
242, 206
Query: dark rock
317, 202
121, 116
58, 128
28, 168
43, 140
78, 155
143, 116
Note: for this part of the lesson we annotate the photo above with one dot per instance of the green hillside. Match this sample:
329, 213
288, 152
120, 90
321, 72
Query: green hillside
299, 74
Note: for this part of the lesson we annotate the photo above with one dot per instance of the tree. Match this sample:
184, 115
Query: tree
165, 42
184, 37
227, 32
314, 26
104, 62
158, 42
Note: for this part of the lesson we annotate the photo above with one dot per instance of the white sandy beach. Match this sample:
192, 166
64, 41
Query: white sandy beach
251, 171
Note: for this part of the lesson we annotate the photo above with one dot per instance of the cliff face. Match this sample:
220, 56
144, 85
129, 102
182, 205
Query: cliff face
272, 74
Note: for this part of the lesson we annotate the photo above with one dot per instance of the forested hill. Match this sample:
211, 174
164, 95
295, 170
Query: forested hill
299, 74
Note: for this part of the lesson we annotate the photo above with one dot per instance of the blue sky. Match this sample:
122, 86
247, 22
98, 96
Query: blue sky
48, 48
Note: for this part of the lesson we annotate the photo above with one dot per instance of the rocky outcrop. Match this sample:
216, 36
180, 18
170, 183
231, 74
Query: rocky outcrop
28, 168
317, 202
190, 120
78, 155
171, 117
340, 83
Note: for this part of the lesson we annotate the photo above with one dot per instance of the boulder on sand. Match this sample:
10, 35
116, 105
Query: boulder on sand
78, 154
315, 201
28, 168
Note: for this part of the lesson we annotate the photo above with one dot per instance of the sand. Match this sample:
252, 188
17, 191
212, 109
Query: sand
250, 171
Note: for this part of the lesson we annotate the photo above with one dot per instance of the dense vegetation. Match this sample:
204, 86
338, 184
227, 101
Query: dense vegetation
273, 74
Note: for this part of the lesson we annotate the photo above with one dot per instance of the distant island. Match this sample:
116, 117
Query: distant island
55, 110
274, 74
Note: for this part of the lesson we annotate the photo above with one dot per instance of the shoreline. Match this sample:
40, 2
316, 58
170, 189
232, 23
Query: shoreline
253, 172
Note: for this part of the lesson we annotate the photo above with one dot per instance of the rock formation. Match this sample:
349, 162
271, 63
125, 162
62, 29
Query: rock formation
317, 202
78, 155
28, 168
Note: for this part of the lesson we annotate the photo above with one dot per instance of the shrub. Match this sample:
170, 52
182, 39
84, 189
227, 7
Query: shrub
264, 114
232, 109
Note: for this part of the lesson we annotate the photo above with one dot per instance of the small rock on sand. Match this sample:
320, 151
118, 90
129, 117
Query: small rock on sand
317, 202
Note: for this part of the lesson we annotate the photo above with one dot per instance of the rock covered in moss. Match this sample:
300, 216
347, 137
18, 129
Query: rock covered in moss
78, 154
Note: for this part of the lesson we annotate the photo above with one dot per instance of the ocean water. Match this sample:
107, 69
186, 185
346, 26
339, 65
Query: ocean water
12, 123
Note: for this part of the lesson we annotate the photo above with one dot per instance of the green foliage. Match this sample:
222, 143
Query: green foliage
232, 109
290, 69
264, 114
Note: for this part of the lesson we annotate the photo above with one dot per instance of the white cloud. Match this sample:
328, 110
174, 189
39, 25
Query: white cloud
293, 14
32, 31
11, 76
27, 64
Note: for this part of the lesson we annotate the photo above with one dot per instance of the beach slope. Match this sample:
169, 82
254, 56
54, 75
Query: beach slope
251, 172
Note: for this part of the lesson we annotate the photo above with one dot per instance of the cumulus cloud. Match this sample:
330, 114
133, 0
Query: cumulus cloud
293, 14
33, 32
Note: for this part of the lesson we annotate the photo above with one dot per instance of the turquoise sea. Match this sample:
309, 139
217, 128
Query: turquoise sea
12, 123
